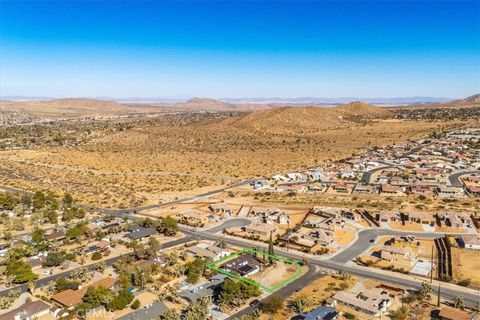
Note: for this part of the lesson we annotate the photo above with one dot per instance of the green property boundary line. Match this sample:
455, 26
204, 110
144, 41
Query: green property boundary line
298, 272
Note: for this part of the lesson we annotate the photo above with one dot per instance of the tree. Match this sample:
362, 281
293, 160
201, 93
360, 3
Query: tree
97, 296
171, 314
54, 259
96, 256
458, 302
135, 304
271, 252
20, 271
38, 200
399, 314
425, 291
168, 226
63, 284
272, 305
300, 304
67, 200
235, 293
121, 301
38, 235
194, 270
197, 310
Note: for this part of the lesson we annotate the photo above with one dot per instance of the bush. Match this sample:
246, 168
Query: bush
135, 304
273, 305
464, 282
349, 316
96, 256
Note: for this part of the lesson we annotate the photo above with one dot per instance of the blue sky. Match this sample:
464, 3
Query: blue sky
239, 49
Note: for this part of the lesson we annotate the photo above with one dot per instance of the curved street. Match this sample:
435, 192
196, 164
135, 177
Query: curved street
454, 179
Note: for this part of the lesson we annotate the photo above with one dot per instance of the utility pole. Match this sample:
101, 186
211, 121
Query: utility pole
431, 267
438, 295
288, 236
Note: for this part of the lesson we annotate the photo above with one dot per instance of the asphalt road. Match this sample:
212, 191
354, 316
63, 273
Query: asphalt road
366, 239
367, 176
454, 179
286, 291
389, 277
123, 213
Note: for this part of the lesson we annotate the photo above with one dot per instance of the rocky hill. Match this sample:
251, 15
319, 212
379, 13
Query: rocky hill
295, 119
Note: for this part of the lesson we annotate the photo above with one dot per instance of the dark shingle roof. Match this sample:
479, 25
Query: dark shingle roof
151, 312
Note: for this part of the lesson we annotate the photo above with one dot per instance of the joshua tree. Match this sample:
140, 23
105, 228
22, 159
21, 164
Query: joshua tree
458, 302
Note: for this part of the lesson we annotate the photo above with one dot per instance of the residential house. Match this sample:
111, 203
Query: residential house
425, 190
70, 298
406, 241
449, 313
194, 217
261, 229
207, 251
450, 192
245, 265
389, 216
402, 255
291, 188
206, 289
315, 187
152, 311
363, 189
260, 184
474, 190
372, 302
341, 187
388, 189
456, 219
321, 237
28, 311
272, 215
470, 241
222, 209
319, 313
139, 232
96, 247
421, 217
56, 235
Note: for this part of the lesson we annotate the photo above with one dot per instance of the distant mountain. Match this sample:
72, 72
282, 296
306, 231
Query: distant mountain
469, 102
259, 100
335, 101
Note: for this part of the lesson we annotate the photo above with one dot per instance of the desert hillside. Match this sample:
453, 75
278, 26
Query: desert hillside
71, 107
293, 119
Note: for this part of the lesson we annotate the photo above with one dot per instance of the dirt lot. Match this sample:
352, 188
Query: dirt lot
317, 291
344, 237
274, 275
466, 264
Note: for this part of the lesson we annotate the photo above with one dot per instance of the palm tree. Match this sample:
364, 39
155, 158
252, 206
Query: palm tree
458, 302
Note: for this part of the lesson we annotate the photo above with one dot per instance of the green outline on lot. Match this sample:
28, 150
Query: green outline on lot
213, 266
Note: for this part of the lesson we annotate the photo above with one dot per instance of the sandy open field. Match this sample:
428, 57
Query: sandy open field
466, 264
160, 159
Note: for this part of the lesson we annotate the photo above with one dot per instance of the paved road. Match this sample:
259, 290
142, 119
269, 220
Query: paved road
123, 213
364, 272
366, 239
367, 176
454, 179
311, 275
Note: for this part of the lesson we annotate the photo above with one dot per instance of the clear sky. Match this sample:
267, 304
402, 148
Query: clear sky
239, 49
